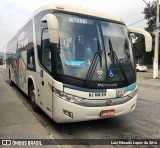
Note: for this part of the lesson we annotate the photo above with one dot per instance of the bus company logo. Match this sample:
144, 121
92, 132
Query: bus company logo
108, 102
106, 85
99, 72
121, 92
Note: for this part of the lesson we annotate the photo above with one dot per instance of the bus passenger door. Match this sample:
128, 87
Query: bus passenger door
45, 74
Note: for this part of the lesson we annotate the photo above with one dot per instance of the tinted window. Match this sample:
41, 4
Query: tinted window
46, 50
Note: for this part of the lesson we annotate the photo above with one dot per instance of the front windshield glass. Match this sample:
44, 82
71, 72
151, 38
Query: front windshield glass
118, 36
80, 40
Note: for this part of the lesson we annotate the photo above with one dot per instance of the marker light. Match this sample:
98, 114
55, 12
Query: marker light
133, 93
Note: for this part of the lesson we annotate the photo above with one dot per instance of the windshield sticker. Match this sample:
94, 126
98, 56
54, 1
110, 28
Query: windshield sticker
111, 73
99, 72
75, 63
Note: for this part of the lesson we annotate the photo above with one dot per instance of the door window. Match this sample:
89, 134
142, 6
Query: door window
46, 51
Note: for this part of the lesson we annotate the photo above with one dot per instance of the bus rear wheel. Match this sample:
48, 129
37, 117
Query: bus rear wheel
35, 107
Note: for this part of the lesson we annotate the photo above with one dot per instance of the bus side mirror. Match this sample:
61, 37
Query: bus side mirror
147, 36
53, 27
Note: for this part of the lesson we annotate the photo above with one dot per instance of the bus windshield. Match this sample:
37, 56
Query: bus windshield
85, 52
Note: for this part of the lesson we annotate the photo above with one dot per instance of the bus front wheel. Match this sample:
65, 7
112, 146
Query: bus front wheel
33, 100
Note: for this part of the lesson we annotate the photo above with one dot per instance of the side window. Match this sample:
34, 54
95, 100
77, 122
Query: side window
46, 51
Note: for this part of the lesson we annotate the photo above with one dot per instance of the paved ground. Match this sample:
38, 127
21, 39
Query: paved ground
146, 78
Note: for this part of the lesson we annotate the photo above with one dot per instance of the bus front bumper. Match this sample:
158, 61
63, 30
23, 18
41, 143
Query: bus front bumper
65, 111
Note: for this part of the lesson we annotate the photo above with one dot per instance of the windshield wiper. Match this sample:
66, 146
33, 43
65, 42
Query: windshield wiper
113, 56
94, 64
99, 53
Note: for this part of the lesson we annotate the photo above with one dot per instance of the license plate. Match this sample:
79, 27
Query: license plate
107, 113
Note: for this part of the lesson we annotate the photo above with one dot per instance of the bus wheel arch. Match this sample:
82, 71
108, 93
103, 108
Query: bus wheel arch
32, 95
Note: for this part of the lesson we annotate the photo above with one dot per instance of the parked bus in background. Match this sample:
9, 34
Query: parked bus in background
75, 64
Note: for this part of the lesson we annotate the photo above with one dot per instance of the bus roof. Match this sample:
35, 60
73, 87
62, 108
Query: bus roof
74, 9
79, 10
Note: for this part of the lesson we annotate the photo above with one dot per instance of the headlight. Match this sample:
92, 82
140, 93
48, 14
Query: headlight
132, 94
68, 97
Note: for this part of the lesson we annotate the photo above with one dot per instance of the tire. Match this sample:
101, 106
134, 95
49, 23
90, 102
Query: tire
10, 80
35, 107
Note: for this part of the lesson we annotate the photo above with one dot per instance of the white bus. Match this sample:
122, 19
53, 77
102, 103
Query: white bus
75, 64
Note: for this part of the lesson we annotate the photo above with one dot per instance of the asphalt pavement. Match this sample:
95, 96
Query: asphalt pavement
146, 79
